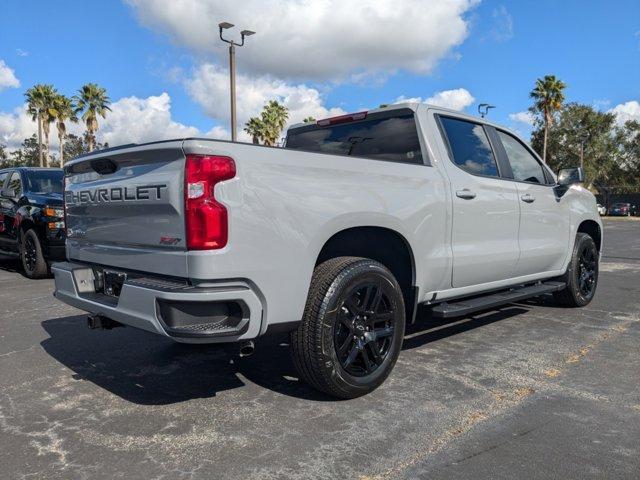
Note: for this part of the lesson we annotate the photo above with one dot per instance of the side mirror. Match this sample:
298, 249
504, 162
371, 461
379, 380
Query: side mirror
7, 193
570, 176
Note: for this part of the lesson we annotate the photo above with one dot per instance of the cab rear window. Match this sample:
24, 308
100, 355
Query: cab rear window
391, 136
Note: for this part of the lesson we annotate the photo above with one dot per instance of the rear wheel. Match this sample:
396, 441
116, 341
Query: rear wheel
352, 330
581, 277
33, 262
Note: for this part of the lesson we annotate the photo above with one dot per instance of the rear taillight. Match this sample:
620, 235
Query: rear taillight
206, 219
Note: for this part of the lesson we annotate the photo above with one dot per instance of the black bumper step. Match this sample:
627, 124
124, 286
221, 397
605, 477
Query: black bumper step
465, 306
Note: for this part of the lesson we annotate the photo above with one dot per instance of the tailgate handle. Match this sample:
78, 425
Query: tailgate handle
104, 166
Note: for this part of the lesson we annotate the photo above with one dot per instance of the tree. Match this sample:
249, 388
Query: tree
63, 110
309, 119
268, 126
255, 128
26, 156
274, 117
76, 146
548, 95
580, 129
92, 101
628, 138
40, 107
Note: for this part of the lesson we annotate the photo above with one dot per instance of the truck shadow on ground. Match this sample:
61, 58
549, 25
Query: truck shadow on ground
147, 369
10, 264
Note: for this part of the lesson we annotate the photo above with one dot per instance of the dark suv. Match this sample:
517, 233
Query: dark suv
32, 217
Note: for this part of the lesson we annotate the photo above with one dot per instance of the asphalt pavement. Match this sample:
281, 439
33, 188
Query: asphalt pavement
528, 391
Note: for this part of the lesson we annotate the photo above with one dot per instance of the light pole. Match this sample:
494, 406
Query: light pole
483, 109
232, 72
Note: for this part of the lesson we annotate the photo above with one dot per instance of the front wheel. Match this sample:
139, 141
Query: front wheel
352, 330
581, 277
33, 262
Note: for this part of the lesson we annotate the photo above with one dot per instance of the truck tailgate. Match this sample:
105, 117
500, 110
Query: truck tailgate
125, 209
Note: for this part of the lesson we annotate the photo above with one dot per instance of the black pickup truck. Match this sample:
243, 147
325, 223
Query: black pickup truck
32, 217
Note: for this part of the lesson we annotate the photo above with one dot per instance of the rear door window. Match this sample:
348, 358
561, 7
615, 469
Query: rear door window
470, 147
391, 136
524, 165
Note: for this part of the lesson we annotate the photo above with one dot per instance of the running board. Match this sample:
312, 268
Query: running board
465, 306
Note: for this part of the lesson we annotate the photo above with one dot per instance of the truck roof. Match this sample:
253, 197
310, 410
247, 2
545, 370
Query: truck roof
411, 106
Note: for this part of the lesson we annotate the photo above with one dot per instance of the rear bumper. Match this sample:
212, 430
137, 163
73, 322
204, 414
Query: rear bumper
183, 313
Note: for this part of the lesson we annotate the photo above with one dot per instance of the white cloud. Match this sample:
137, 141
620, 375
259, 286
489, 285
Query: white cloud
502, 29
522, 117
626, 111
131, 120
456, 99
209, 86
138, 120
7, 77
311, 39
15, 126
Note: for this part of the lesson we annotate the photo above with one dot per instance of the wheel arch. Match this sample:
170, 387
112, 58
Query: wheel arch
25, 224
592, 228
384, 245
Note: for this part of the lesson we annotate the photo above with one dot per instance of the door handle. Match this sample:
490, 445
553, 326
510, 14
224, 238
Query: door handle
466, 194
528, 198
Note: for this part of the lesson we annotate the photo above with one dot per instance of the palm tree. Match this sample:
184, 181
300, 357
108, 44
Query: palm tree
63, 110
274, 117
93, 101
255, 128
548, 95
40, 106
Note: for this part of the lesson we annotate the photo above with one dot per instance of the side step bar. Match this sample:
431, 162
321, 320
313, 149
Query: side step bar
465, 306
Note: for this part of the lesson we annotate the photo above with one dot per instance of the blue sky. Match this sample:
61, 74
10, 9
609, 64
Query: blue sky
325, 62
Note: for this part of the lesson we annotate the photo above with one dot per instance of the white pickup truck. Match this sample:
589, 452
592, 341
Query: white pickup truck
336, 238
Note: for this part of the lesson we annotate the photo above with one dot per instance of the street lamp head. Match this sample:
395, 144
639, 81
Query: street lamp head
225, 25
247, 33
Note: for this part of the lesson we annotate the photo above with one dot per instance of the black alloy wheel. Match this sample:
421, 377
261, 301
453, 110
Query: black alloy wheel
587, 270
364, 328
30, 254
581, 277
33, 262
353, 326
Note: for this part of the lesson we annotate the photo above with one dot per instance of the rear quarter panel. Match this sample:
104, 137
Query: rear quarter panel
284, 205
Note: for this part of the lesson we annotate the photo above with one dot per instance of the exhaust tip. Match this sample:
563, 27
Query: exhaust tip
247, 348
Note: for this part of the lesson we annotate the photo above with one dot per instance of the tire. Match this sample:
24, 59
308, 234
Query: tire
581, 277
352, 329
33, 262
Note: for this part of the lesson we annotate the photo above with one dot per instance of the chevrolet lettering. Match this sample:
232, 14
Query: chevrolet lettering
115, 194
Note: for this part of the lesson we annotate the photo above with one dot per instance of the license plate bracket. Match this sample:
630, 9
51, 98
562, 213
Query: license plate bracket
113, 282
